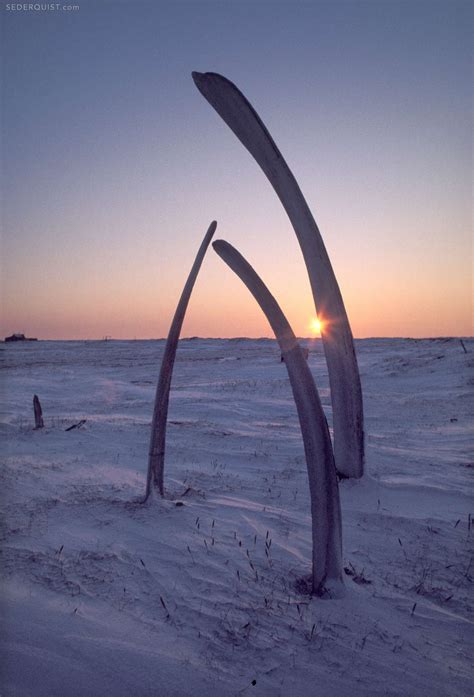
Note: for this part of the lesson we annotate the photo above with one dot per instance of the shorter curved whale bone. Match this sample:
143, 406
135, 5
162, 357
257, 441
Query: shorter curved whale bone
156, 457
323, 486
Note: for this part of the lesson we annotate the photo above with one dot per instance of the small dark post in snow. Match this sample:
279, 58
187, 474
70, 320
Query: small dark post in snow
463, 347
39, 423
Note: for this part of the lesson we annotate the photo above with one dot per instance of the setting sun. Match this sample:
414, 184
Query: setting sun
316, 326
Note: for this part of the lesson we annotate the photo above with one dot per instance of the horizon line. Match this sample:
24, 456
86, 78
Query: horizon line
242, 338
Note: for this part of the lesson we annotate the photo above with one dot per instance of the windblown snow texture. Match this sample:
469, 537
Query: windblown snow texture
84, 568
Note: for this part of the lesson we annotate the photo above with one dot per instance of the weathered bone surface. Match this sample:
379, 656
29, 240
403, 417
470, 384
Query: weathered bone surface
156, 458
346, 393
325, 505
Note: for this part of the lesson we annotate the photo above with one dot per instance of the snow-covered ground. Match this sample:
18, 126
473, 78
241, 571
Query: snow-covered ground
105, 596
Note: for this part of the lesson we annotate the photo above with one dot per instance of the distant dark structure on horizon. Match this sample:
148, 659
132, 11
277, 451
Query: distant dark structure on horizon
20, 337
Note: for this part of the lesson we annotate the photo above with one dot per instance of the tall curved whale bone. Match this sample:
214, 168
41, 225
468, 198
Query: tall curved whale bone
156, 457
323, 486
344, 379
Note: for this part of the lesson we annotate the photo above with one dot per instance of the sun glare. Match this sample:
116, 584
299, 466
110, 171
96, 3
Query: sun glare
316, 326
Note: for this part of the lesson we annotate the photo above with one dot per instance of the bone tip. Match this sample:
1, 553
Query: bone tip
197, 77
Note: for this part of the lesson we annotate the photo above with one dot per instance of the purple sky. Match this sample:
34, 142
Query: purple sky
114, 165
